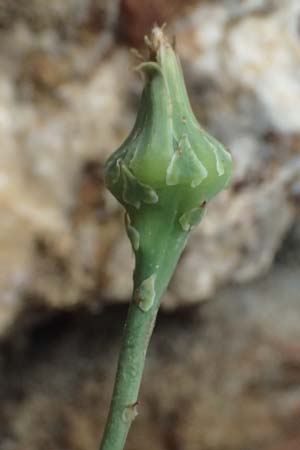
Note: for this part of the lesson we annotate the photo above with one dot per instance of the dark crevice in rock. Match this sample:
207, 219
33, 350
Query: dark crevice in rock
233, 365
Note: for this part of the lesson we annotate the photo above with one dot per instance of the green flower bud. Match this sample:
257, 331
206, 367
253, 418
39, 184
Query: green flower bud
163, 174
167, 154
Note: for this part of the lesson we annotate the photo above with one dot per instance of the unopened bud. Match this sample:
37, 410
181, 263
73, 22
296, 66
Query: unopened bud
167, 153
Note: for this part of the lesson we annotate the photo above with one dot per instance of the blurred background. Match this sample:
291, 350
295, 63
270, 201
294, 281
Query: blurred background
223, 371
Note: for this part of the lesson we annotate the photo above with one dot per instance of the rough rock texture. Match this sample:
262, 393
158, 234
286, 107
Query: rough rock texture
67, 99
54, 125
222, 375
249, 95
225, 377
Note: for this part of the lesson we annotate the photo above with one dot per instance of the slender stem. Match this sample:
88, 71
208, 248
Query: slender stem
138, 328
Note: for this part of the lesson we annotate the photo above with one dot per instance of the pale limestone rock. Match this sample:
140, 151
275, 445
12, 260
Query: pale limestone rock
252, 61
65, 105
238, 238
44, 148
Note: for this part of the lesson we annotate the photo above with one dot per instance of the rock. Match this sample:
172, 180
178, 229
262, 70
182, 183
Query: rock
249, 94
54, 210
67, 101
222, 377
246, 240
68, 18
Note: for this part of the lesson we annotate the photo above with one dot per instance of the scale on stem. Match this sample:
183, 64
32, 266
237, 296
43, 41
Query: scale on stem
163, 174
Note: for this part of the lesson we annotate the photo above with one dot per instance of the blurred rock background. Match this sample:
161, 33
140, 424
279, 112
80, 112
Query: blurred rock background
224, 366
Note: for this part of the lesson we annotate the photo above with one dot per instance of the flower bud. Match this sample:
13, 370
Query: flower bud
167, 154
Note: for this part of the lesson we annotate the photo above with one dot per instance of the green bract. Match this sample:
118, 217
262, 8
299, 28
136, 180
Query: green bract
167, 153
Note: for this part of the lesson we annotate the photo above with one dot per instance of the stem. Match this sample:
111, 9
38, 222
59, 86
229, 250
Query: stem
168, 242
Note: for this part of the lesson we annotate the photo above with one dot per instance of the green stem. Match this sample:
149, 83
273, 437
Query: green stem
159, 255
